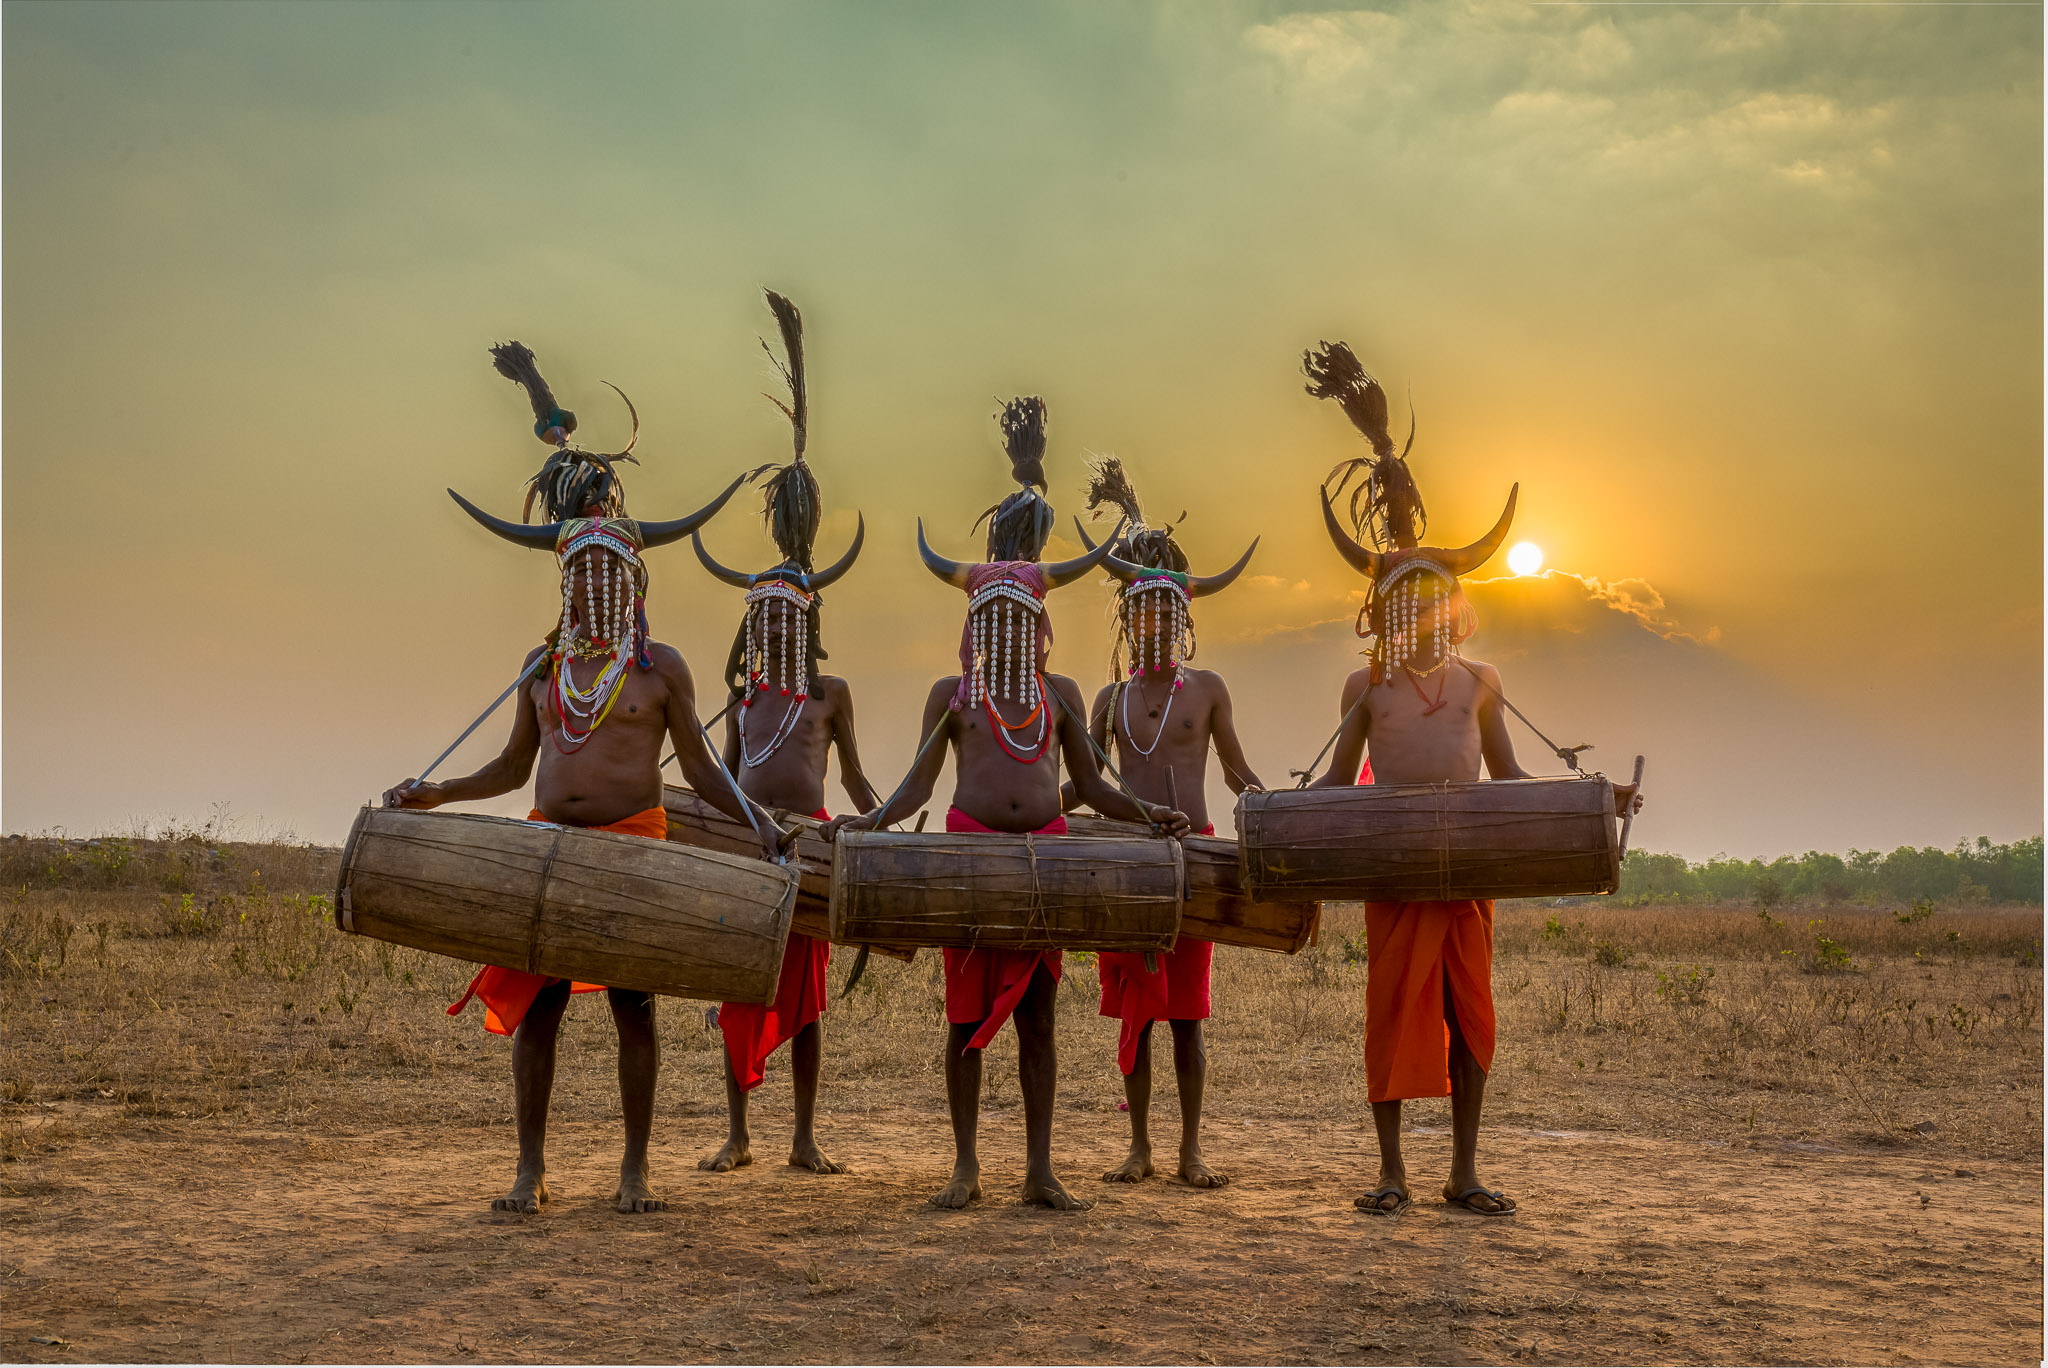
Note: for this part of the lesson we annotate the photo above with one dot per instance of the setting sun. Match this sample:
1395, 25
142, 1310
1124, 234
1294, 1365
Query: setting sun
1526, 558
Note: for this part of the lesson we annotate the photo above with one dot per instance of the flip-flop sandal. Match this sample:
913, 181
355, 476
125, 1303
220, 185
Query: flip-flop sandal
1370, 1203
1464, 1199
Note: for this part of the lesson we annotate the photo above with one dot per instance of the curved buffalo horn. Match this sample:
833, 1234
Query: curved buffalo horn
625, 454
1199, 585
952, 572
1365, 562
822, 578
541, 537
653, 534
1466, 559
719, 572
1124, 570
1067, 571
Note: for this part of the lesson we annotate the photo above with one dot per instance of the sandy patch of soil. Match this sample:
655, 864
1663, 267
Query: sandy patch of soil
208, 1242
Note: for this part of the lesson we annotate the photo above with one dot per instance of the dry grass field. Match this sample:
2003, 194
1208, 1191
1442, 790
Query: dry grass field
232, 1132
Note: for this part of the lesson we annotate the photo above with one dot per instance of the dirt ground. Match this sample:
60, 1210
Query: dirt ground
229, 1132
204, 1241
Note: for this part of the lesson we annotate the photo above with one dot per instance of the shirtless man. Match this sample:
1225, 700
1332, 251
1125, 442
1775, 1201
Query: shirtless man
1007, 725
1427, 716
595, 713
789, 717
1164, 715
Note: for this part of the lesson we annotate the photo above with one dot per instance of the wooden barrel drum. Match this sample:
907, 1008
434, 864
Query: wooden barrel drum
568, 902
1523, 838
1007, 892
1217, 907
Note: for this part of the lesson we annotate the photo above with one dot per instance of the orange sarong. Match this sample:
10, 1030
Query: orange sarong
508, 994
1413, 949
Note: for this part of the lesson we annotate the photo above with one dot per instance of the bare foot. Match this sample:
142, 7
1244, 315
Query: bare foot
964, 1188
734, 1155
1136, 1165
1195, 1173
809, 1156
633, 1195
528, 1195
1046, 1191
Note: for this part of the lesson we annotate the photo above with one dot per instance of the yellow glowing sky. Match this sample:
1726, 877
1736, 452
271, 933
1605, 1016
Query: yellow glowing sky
1748, 299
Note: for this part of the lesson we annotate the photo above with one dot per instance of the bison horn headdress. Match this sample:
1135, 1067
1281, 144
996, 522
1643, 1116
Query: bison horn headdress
1004, 641
1154, 579
580, 495
789, 591
1413, 596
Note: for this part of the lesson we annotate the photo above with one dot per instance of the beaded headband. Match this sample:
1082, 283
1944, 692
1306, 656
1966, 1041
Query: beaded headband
779, 590
1149, 580
1414, 565
1014, 590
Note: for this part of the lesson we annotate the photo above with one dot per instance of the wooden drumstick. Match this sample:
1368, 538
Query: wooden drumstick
1629, 817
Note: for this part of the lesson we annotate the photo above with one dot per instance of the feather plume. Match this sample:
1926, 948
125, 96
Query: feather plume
1152, 547
1109, 484
791, 505
1385, 505
1019, 526
1022, 421
790, 366
515, 361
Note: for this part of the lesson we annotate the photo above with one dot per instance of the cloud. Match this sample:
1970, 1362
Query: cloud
1632, 598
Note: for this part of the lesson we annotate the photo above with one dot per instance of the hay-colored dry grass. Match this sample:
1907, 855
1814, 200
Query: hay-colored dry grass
179, 980
189, 1006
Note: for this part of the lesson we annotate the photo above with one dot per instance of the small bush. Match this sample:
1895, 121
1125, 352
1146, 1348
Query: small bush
1685, 987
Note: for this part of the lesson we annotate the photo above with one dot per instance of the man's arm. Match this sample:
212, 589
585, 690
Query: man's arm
1089, 784
1237, 771
924, 772
851, 776
1350, 755
693, 753
730, 751
1098, 727
1494, 742
502, 775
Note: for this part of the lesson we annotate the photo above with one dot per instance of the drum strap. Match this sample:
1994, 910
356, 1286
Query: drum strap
1144, 809
715, 720
1568, 754
540, 903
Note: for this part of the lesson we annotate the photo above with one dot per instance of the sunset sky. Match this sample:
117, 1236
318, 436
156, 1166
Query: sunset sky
1747, 298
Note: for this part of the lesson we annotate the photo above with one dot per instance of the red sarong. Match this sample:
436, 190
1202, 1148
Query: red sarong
987, 985
1412, 950
1178, 990
509, 993
755, 1030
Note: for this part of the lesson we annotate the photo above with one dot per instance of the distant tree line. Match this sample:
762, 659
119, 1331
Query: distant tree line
1982, 873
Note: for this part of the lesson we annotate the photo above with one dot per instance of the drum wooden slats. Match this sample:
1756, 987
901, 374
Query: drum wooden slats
1006, 892
694, 822
568, 902
1524, 838
1218, 909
